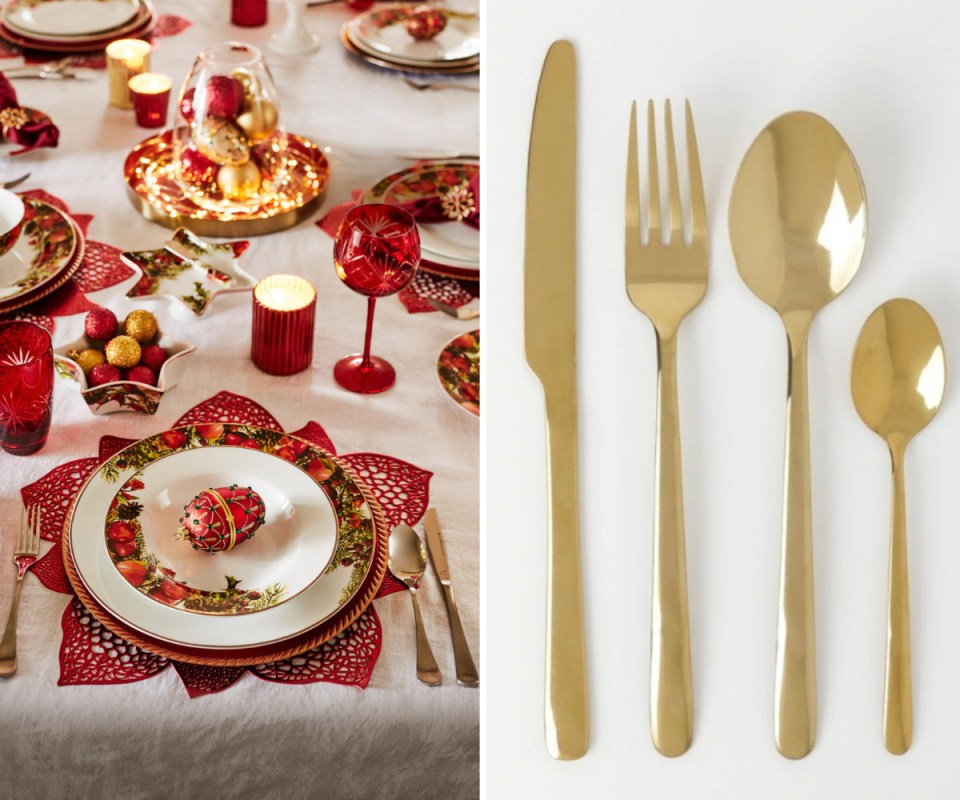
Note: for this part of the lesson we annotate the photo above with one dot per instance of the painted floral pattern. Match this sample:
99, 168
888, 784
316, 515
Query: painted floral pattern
355, 531
459, 370
51, 240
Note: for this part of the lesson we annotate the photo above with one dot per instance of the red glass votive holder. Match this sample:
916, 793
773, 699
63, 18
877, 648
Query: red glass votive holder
26, 387
284, 312
249, 13
151, 96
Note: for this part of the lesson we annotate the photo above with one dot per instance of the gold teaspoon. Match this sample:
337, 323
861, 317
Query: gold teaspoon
798, 224
898, 379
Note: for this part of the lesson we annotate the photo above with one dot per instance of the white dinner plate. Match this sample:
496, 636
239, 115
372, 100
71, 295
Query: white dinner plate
68, 17
382, 32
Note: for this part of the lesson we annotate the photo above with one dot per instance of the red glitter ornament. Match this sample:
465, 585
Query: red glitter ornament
153, 357
425, 23
224, 97
142, 374
219, 519
100, 324
197, 168
359, 5
186, 104
103, 373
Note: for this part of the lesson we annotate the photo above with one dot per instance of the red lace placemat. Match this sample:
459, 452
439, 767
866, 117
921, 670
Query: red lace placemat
167, 25
100, 269
90, 654
425, 285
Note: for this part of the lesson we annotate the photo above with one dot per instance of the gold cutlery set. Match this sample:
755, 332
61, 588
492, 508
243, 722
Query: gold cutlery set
797, 226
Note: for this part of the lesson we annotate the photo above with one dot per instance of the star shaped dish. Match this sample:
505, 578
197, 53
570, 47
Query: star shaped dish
190, 272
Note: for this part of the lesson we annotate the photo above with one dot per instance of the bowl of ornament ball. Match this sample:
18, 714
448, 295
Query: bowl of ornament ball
11, 219
110, 370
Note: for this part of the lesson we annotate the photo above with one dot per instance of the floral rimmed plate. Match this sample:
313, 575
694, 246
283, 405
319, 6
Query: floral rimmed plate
343, 578
459, 371
44, 250
125, 395
189, 272
68, 17
290, 550
382, 32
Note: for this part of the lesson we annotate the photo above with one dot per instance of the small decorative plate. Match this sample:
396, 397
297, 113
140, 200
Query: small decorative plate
189, 272
290, 550
68, 17
459, 371
382, 32
125, 395
44, 250
277, 465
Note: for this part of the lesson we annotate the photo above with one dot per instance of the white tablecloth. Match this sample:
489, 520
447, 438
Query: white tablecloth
147, 739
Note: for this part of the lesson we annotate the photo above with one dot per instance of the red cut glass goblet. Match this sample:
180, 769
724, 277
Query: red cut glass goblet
26, 387
377, 253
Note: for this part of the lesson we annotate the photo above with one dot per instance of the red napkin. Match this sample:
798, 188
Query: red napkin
24, 126
430, 209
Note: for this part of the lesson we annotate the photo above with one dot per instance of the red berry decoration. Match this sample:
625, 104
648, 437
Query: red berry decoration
141, 374
121, 532
224, 97
103, 373
186, 105
153, 357
100, 324
425, 23
219, 519
173, 439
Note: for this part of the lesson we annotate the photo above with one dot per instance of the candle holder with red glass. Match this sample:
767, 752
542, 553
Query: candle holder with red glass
376, 253
26, 387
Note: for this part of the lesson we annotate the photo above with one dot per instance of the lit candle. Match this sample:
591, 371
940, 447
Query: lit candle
284, 312
125, 58
151, 96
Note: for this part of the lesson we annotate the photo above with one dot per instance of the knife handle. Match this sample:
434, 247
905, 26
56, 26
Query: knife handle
671, 682
466, 670
567, 723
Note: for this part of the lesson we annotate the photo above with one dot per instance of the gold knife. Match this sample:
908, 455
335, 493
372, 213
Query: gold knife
466, 670
550, 313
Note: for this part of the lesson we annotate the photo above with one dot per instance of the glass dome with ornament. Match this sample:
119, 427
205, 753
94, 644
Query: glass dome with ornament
228, 142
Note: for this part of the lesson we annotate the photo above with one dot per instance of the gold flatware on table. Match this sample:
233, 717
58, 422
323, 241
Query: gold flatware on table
467, 674
15, 182
25, 555
666, 281
434, 87
798, 224
550, 316
408, 560
898, 379
459, 313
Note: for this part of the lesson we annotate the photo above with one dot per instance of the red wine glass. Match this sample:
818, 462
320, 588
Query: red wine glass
26, 387
376, 253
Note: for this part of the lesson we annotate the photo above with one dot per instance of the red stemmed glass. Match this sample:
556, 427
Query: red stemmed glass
26, 387
377, 253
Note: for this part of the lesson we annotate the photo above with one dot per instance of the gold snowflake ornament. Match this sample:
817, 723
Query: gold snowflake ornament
14, 118
458, 203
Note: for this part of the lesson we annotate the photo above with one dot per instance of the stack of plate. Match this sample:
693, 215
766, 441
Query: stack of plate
313, 567
449, 248
380, 37
74, 26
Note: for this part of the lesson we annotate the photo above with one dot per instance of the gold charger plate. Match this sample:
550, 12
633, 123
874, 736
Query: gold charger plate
159, 198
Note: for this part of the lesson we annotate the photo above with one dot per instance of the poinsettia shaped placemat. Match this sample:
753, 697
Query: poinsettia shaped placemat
90, 654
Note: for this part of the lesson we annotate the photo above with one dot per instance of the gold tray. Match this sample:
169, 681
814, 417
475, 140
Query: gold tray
159, 198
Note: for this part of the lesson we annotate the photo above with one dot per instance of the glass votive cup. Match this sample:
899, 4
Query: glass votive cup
284, 313
26, 387
151, 96
125, 58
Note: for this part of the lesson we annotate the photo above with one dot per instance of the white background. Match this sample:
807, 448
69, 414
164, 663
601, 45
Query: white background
886, 74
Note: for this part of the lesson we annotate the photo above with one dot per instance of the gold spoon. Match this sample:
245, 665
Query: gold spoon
408, 560
798, 223
898, 379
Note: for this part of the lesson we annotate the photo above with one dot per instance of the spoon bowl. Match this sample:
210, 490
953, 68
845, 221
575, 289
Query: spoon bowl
798, 214
899, 374
408, 559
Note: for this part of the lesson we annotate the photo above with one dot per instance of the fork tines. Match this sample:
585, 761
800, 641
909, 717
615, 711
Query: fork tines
28, 538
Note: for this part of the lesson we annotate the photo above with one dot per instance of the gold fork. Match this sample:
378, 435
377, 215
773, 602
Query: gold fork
24, 556
666, 282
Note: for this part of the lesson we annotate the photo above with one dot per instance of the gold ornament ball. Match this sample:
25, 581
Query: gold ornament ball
87, 360
251, 86
140, 325
259, 119
239, 183
123, 352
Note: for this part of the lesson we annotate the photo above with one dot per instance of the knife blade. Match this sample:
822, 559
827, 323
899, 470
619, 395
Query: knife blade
466, 670
550, 277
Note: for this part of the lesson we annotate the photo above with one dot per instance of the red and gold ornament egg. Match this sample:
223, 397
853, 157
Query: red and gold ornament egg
425, 23
217, 520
